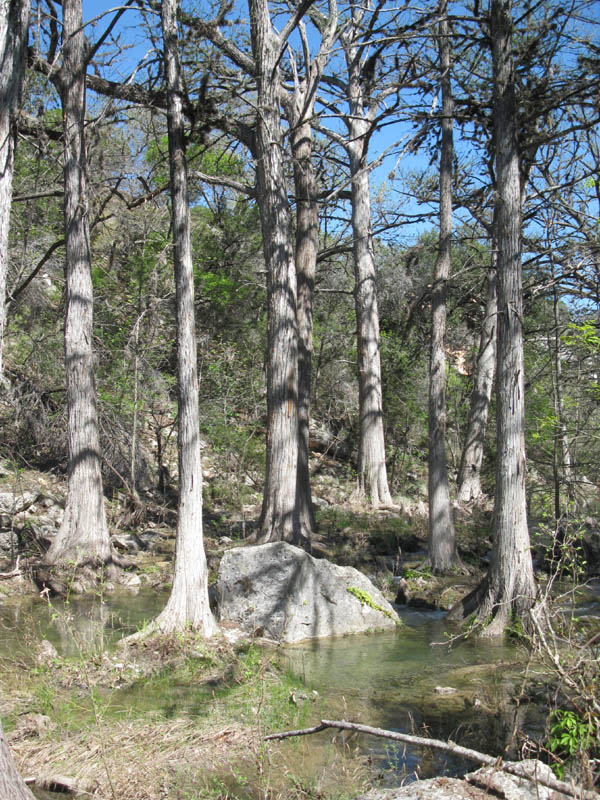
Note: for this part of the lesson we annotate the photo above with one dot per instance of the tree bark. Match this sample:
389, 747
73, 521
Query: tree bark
279, 517
83, 536
469, 475
14, 21
372, 470
443, 554
307, 246
12, 786
299, 107
562, 459
188, 604
509, 590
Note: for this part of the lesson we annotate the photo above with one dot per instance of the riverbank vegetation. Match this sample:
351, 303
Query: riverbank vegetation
178, 717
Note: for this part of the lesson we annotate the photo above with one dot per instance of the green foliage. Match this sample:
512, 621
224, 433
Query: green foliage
571, 734
218, 289
365, 598
584, 334
417, 573
516, 630
213, 161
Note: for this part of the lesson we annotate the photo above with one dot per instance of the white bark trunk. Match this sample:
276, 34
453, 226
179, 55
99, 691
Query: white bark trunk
469, 476
508, 592
12, 786
83, 537
307, 246
188, 604
372, 468
443, 554
14, 20
279, 517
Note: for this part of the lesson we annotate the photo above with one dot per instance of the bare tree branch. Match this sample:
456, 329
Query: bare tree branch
448, 747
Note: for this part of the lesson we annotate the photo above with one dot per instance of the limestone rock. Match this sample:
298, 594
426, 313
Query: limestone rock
283, 593
9, 543
511, 787
432, 789
46, 653
483, 784
16, 502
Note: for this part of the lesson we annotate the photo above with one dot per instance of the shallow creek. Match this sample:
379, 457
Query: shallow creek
414, 680
418, 681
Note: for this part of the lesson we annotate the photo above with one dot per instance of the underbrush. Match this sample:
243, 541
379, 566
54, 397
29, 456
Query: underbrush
565, 648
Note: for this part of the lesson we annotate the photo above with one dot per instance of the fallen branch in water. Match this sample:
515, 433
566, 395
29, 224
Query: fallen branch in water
448, 747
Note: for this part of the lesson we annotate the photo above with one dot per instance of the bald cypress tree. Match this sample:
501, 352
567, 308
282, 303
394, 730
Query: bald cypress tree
188, 605
443, 554
14, 20
83, 537
12, 786
508, 591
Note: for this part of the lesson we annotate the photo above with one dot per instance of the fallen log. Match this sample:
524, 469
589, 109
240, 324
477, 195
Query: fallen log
15, 573
448, 747
61, 784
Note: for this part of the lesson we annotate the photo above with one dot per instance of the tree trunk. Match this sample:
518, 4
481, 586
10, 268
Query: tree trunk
14, 21
372, 471
83, 536
307, 246
188, 605
12, 786
443, 554
563, 462
469, 475
508, 591
279, 517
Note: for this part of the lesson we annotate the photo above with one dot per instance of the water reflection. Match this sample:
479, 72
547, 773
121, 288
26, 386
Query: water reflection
415, 681
81, 625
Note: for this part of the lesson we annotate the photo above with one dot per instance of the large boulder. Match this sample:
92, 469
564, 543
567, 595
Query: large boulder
283, 593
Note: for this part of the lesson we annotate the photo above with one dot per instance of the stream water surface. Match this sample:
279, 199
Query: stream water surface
415, 680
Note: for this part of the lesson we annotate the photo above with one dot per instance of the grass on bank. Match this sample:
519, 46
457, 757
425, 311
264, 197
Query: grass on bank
178, 717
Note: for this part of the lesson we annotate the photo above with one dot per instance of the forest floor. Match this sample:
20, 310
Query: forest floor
387, 544
97, 725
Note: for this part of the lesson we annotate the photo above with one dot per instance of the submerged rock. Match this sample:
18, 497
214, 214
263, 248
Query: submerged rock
283, 593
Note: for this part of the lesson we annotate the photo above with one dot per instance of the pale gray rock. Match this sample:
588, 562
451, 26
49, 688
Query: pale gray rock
511, 787
432, 789
16, 502
282, 593
9, 543
487, 782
